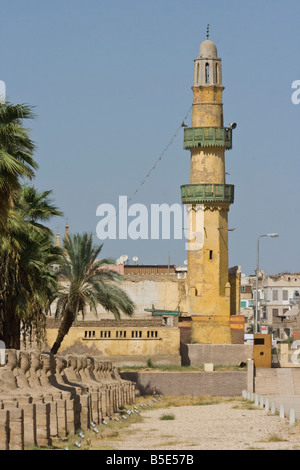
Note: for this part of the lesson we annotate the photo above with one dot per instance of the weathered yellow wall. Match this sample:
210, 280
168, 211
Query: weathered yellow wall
207, 106
207, 166
163, 291
207, 278
211, 329
166, 342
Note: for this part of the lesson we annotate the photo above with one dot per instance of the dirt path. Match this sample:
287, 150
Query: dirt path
209, 427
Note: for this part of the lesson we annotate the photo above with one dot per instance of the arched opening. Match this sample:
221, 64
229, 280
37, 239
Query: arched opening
217, 74
198, 73
207, 72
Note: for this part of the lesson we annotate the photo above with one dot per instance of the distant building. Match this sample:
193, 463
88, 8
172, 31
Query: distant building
278, 303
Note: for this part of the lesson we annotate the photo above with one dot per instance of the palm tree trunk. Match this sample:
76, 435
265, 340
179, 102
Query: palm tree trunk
65, 325
11, 332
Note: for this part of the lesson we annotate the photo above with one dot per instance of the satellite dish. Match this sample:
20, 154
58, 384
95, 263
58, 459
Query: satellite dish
185, 262
135, 259
123, 258
118, 261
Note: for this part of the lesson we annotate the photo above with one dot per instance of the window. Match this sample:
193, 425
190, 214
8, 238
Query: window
136, 334
275, 312
120, 334
285, 295
217, 74
89, 334
152, 334
198, 73
210, 254
259, 341
104, 334
275, 294
207, 72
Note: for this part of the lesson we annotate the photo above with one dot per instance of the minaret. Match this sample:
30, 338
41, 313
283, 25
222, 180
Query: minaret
67, 230
58, 239
207, 199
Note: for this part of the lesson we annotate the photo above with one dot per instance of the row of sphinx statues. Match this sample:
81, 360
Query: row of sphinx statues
89, 388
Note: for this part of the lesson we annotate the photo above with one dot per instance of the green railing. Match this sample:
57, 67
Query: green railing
200, 193
207, 137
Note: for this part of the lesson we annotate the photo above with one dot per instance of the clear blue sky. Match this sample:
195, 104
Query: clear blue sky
111, 83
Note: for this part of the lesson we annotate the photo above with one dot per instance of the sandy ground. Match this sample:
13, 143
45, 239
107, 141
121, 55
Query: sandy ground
209, 427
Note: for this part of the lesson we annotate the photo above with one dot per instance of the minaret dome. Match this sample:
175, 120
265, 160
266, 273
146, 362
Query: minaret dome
208, 67
208, 49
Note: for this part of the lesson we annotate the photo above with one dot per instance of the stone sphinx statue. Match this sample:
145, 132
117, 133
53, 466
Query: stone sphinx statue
59, 379
34, 372
23, 369
13, 376
72, 376
85, 368
89, 369
8, 373
47, 375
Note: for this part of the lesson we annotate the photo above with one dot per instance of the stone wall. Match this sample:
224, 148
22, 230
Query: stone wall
218, 354
230, 383
165, 292
43, 396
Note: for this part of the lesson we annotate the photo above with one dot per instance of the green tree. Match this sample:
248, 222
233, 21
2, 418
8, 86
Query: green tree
87, 281
27, 253
16, 155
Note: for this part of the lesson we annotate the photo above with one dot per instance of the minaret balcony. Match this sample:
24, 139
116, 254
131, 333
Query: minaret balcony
207, 137
202, 193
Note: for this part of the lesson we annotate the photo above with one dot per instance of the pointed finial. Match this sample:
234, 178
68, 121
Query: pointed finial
207, 32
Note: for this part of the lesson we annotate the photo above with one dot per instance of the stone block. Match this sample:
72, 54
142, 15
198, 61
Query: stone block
4, 429
70, 407
16, 429
29, 424
94, 404
53, 419
85, 417
43, 424
61, 419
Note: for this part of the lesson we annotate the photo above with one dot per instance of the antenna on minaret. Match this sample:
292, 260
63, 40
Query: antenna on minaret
207, 32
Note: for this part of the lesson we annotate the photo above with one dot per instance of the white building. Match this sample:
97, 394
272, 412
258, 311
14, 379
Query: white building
278, 302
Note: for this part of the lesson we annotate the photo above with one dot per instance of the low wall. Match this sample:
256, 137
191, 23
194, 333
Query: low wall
217, 354
142, 361
227, 383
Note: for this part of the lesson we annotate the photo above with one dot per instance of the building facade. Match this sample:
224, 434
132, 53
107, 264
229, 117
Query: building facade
278, 303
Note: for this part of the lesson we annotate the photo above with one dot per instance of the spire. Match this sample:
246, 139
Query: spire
58, 239
207, 32
67, 230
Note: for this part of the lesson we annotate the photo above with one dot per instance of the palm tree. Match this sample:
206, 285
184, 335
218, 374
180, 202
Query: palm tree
26, 278
87, 281
16, 154
36, 206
